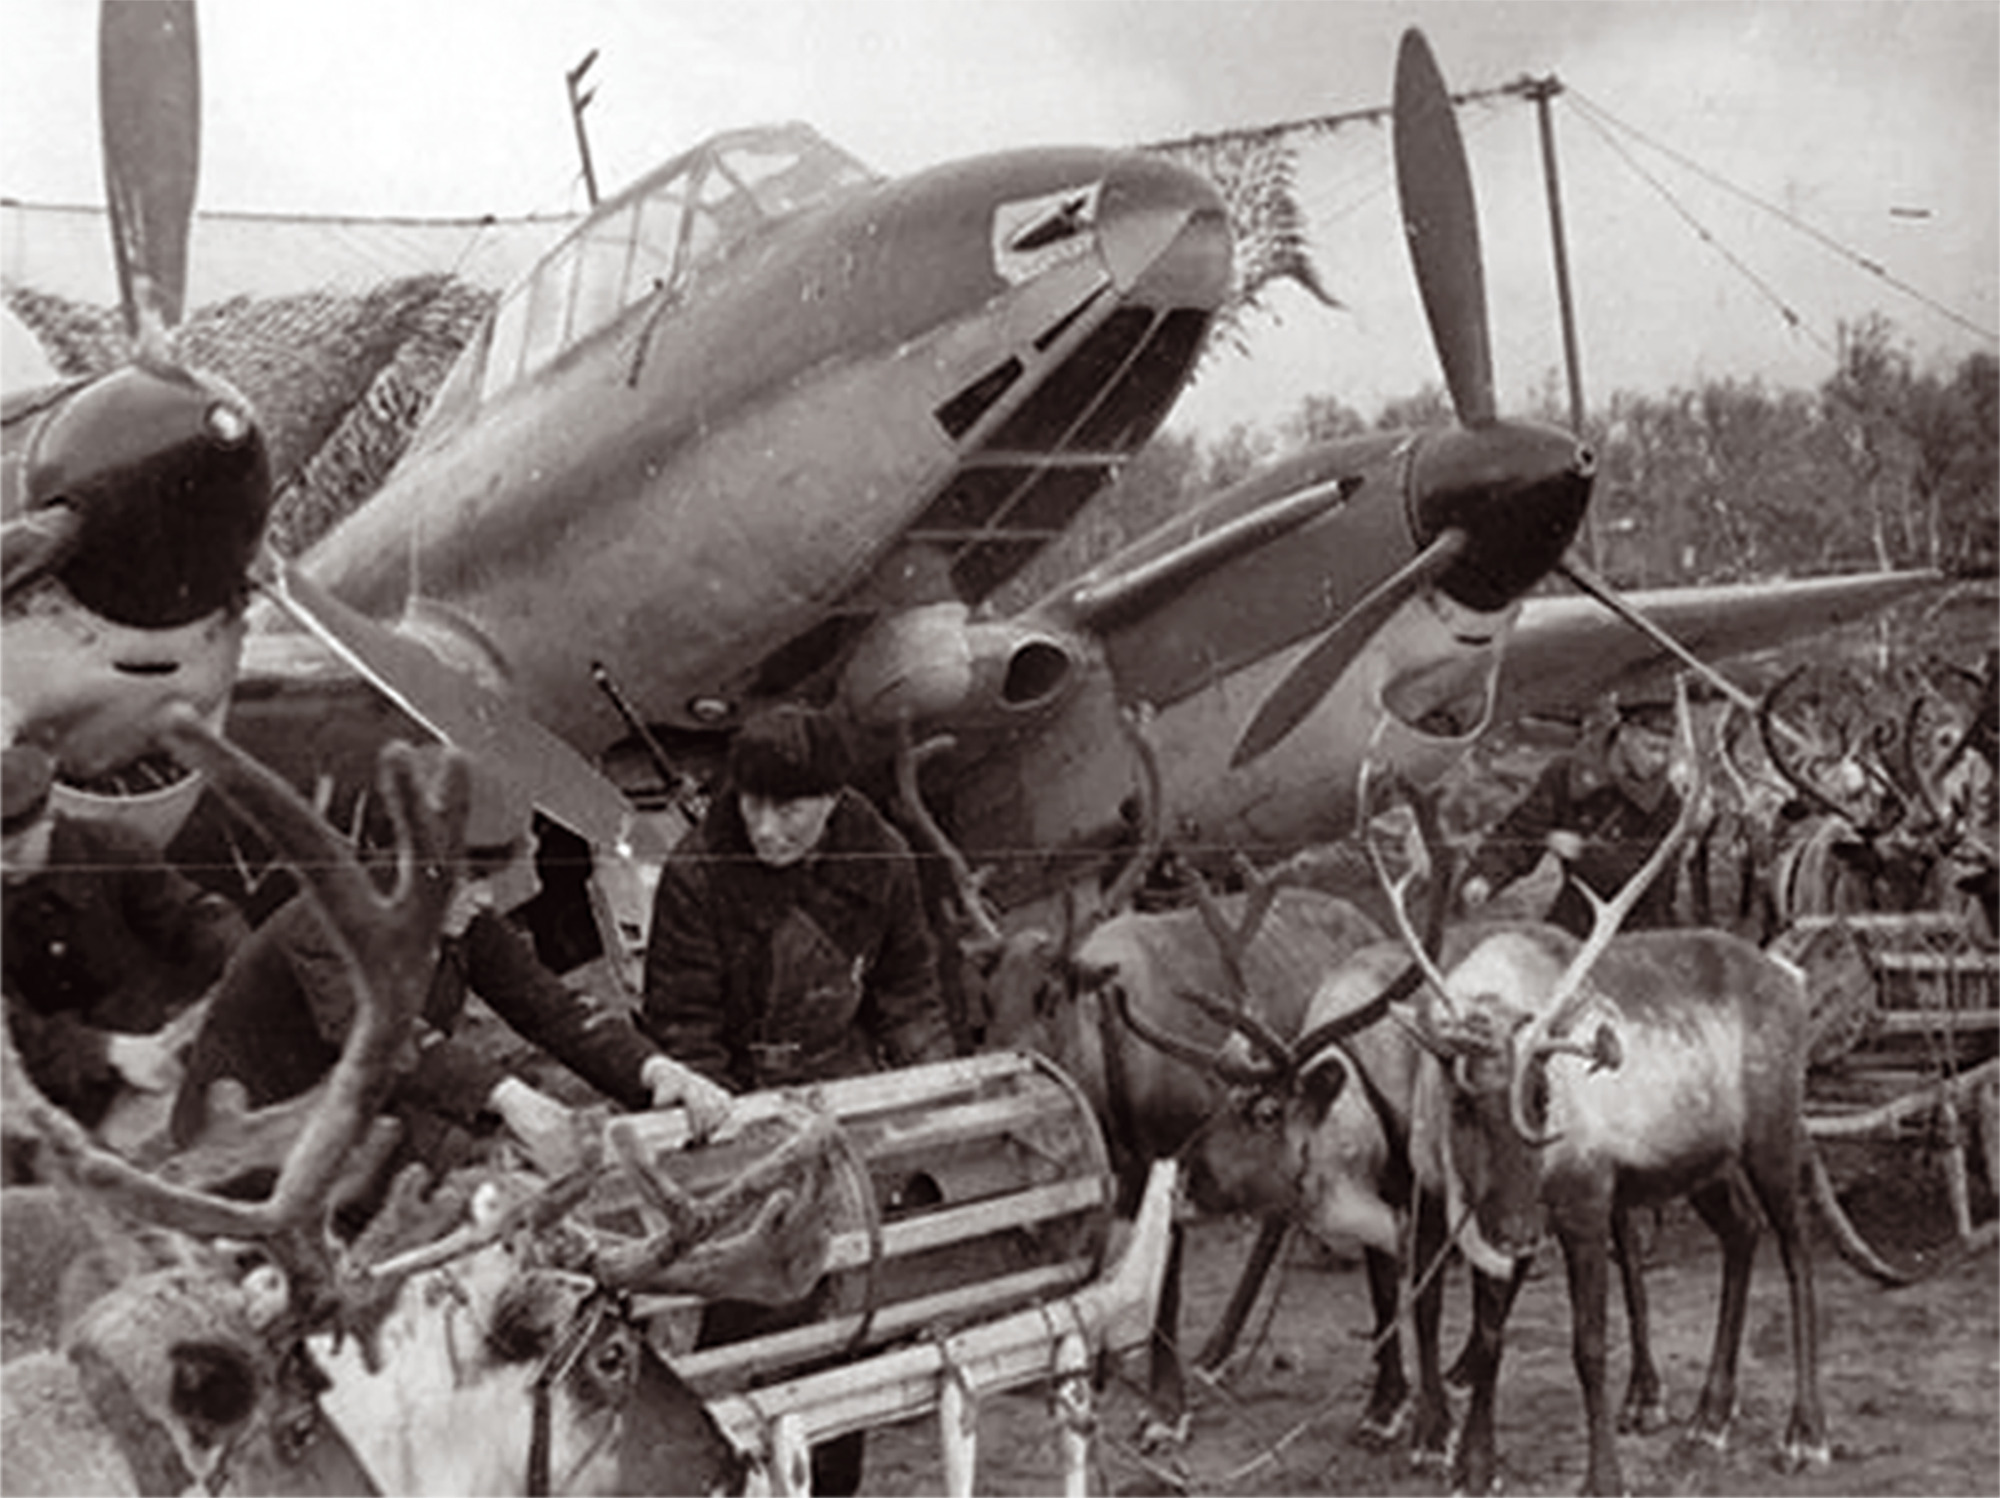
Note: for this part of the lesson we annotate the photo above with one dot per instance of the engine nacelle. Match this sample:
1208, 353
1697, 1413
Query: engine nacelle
935, 662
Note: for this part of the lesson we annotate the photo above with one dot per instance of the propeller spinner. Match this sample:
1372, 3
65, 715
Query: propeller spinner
1495, 504
144, 492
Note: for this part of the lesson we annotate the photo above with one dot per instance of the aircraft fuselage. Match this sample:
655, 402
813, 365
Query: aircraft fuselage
767, 444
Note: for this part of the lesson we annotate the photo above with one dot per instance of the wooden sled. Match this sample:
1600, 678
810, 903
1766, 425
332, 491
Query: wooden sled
958, 1243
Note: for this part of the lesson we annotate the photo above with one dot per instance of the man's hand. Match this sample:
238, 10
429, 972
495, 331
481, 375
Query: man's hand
1566, 845
546, 1129
670, 1082
150, 1063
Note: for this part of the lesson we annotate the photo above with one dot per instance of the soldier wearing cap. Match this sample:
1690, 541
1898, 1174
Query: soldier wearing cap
281, 1013
1601, 811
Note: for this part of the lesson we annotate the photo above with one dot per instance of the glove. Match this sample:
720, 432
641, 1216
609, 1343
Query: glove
708, 1105
545, 1128
147, 1062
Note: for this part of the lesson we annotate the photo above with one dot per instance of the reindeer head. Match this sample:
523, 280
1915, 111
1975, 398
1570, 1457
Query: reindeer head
1028, 981
505, 1356
501, 1362
1901, 787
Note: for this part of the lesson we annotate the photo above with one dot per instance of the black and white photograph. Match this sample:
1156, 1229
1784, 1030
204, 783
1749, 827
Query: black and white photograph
904, 747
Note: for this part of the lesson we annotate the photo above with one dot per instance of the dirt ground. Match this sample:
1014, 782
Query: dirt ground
1910, 1379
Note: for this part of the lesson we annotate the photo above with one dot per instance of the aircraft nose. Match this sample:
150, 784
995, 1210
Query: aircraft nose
1518, 491
1164, 232
170, 477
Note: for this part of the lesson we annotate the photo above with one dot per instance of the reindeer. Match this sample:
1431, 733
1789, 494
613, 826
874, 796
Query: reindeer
1691, 1082
506, 1342
1356, 1089
1081, 997
1882, 816
1344, 1094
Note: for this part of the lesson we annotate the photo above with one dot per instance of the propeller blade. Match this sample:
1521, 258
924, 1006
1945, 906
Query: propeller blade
483, 723
1605, 594
149, 99
1441, 222
1313, 677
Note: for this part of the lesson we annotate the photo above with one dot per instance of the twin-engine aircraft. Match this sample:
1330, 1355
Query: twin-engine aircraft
766, 426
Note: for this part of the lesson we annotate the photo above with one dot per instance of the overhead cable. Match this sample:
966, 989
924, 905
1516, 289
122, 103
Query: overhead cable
1604, 122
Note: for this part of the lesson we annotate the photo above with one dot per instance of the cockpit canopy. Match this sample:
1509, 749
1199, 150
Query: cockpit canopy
657, 237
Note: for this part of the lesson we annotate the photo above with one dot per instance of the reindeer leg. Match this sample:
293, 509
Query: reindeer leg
1271, 1235
1389, 1401
1776, 1187
1585, 1246
1430, 1430
1644, 1410
1724, 1206
1476, 1466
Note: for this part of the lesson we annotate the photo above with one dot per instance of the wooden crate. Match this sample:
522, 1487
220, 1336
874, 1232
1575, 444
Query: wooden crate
954, 1193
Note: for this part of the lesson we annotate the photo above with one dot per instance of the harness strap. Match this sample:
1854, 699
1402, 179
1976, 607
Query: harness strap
1401, 1173
1117, 1081
576, 1340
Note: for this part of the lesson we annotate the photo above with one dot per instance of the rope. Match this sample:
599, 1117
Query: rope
1604, 122
1701, 232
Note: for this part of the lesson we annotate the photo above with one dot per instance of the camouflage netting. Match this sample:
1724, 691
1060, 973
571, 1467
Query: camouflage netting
338, 381
1255, 171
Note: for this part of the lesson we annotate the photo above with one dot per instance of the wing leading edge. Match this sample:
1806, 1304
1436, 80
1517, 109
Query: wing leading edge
1569, 650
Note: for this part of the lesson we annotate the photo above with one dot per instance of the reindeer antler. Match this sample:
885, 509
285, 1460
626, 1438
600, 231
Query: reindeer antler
398, 932
1424, 833
987, 934
1778, 732
693, 1221
1202, 1058
1137, 722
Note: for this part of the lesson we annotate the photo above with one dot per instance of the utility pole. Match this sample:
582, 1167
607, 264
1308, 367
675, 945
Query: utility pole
1542, 91
577, 103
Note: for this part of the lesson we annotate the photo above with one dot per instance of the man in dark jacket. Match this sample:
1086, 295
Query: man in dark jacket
282, 1011
1601, 811
788, 939
788, 944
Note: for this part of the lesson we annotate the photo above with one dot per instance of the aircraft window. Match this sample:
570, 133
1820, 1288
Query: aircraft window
1125, 419
548, 308
1047, 417
791, 172
693, 217
721, 216
503, 354
659, 236
606, 251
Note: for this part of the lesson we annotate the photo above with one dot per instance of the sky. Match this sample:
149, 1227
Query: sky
1874, 126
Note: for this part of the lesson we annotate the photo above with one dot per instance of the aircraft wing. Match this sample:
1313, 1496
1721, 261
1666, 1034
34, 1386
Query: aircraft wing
1570, 650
